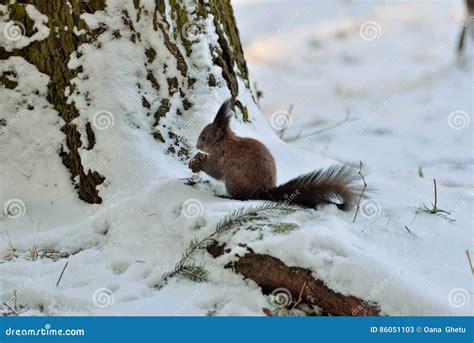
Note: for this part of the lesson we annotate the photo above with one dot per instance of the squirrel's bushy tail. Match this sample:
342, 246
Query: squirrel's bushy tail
325, 186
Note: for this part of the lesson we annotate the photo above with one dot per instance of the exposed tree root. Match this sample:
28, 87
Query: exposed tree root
270, 273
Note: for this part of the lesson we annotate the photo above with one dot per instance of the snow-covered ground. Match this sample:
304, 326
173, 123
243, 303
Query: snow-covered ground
382, 82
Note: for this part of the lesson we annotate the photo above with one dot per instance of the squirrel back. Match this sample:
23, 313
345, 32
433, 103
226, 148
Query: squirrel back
248, 169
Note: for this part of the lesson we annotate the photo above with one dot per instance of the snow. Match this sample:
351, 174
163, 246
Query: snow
14, 33
399, 85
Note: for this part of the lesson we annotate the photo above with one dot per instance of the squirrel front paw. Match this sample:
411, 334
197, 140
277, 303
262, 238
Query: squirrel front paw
196, 162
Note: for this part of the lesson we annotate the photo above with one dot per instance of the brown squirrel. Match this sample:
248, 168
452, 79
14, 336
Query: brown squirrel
249, 172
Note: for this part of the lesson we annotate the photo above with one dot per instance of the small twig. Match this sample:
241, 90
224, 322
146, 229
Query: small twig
27, 176
435, 209
300, 297
330, 127
11, 308
290, 109
470, 261
361, 194
61, 276
406, 227
420, 172
10, 244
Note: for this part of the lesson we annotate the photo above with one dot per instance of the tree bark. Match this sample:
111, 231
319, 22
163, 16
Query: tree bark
51, 57
272, 274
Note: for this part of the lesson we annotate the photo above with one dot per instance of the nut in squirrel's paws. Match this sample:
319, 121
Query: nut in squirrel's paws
195, 163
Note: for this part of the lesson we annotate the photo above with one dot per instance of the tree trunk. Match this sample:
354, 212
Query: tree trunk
177, 28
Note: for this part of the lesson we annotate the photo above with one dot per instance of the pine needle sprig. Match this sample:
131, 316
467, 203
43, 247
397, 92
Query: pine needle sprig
187, 267
246, 213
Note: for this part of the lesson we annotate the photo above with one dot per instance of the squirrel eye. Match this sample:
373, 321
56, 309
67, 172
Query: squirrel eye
203, 139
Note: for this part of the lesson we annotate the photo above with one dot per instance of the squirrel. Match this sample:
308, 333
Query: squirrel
248, 169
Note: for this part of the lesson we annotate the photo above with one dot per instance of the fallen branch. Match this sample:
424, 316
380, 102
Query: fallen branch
270, 273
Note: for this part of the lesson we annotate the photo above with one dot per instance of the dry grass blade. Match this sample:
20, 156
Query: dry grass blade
361, 194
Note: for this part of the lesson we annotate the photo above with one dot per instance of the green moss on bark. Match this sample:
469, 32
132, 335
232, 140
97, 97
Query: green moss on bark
50, 56
229, 53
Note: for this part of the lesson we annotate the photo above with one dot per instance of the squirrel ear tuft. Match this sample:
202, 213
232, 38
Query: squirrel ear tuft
224, 114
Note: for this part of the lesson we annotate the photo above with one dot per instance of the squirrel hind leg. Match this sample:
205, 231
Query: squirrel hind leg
240, 192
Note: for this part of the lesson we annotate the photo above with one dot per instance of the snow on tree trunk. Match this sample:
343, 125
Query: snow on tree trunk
179, 50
